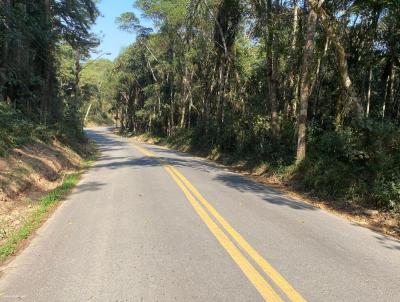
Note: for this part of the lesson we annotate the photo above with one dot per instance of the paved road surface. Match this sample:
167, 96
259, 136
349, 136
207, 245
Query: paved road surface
151, 224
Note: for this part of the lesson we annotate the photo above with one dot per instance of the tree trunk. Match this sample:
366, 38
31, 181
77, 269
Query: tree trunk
391, 89
5, 50
172, 108
221, 81
319, 62
130, 99
185, 96
385, 97
369, 92
46, 88
293, 76
305, 85
77, 71
296, 9
271, 80
331, 29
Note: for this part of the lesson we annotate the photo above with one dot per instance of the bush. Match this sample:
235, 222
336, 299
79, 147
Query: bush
360, 163
17, 130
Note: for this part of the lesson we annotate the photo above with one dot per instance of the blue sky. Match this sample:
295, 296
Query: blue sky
112, 39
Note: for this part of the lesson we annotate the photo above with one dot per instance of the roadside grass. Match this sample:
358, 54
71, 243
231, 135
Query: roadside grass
44, 206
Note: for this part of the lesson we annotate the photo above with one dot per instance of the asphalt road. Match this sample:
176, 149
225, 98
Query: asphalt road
150, 224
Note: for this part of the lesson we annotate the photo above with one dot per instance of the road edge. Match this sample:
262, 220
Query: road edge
359, 218
20, 239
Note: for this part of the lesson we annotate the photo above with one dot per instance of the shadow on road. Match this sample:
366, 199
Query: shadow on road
236, 181
387, 242
189, 161
89, 186
243, 184
178, 159
138, 163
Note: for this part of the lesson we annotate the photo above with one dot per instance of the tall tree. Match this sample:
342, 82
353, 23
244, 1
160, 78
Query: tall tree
305, 82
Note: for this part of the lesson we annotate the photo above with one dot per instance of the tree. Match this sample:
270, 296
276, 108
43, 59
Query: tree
264, 79
305, 83
34, 31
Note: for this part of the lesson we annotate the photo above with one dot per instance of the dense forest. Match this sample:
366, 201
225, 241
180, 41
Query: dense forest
42, 47
310, 89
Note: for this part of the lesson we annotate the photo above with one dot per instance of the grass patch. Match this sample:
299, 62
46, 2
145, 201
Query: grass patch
38, 215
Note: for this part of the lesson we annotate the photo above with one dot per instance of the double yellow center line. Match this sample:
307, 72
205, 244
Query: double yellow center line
204, 209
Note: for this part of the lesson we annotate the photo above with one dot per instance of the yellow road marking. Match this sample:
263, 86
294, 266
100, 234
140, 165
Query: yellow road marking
279, 280
275, 276
265, 290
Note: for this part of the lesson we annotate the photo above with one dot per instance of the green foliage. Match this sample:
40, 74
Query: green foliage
361, 163
169, 11
96, 81
15, 129
225, 77
42, 44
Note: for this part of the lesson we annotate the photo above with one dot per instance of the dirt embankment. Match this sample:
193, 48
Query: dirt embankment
28, 173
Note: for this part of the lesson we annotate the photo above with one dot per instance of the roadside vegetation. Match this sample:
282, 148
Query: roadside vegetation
36, 217
47, 85
47, 82
34, 177
307, 90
